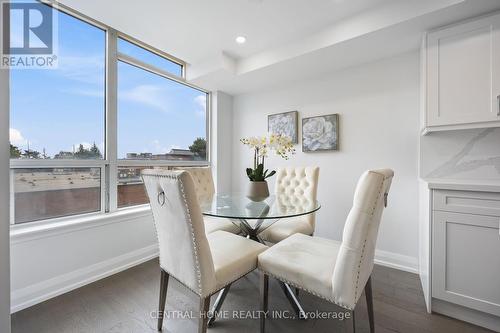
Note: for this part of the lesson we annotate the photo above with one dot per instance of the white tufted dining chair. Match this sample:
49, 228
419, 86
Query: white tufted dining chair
204, 187
300, 184
335, 271
203, 263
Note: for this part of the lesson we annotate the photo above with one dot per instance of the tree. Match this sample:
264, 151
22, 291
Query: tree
84, 153
95, 152
15, 152
81, 152
33, 154
199, 147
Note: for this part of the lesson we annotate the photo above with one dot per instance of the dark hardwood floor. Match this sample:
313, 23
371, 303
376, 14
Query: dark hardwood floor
126, 302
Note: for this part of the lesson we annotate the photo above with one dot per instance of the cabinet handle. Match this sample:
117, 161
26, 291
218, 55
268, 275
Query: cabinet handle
498, 110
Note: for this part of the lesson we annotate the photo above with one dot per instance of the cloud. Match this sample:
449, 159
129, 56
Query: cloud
201, 100
158, 148
147, 94
201, 105
86, 69
16, 138
86, 92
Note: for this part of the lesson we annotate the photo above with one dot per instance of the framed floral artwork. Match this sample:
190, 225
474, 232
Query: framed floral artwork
320, 133
285, 124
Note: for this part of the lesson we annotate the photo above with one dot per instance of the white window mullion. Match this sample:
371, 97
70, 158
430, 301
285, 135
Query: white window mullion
12, 204
111, 120
208, 126
160, 163
54, 163
103, 188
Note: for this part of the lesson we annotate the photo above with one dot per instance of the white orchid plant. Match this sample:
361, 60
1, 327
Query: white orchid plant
282, 145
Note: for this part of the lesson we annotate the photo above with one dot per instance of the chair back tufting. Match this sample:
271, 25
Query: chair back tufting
298, 186
203, 180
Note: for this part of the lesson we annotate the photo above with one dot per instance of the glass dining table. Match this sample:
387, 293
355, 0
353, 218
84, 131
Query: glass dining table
253, 217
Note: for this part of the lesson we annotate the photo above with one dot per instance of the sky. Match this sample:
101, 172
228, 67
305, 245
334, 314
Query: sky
58, 109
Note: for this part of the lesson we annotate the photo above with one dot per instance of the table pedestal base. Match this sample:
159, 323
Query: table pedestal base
253, 234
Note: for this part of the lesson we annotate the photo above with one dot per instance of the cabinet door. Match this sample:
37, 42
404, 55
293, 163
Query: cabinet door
466, 260
463, 73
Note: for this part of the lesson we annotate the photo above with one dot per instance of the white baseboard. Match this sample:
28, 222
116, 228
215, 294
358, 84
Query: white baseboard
44, 290
396, 261
475, 317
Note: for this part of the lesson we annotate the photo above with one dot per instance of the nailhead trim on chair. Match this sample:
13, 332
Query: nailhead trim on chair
359, 269
364, 244
232, 281
193, 239
213, 291
282, 279
156, 231
185, 285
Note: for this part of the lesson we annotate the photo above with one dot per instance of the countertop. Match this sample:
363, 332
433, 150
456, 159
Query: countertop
463, 184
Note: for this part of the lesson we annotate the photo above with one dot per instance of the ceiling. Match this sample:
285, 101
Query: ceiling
287, 40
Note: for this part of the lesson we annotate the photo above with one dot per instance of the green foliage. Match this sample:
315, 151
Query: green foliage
15, 152
258, 174
84, 153
31, 154
199, 147
94, 150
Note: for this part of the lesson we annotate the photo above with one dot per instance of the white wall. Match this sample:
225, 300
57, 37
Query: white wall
378, 104
221, 136
47, 263
4, 203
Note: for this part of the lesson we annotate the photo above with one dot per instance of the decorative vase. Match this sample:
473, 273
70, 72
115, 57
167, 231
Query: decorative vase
258, 191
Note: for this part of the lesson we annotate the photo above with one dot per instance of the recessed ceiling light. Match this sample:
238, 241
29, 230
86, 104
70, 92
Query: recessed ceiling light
241, 39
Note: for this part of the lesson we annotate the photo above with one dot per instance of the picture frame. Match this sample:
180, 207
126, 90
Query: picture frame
320, 133
285, 123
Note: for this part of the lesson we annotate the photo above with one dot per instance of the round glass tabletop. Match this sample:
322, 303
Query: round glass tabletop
238, 206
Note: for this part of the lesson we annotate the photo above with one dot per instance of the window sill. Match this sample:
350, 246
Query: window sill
30, 231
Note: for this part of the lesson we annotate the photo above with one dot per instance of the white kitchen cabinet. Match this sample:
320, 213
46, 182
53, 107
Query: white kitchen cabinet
461, 73
459, 246
466, 260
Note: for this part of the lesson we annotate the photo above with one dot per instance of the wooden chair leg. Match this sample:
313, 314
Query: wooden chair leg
163, 298
369, 304
353, 316
264, 299
204, 309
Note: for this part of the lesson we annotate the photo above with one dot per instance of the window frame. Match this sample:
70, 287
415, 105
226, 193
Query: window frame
137, 62
110, 162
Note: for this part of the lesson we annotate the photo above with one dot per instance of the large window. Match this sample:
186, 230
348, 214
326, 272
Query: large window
59, 113
128, 49
55, 192
159, 118
81, 134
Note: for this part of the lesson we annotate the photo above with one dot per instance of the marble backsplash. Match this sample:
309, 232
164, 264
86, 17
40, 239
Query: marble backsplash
462, 154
